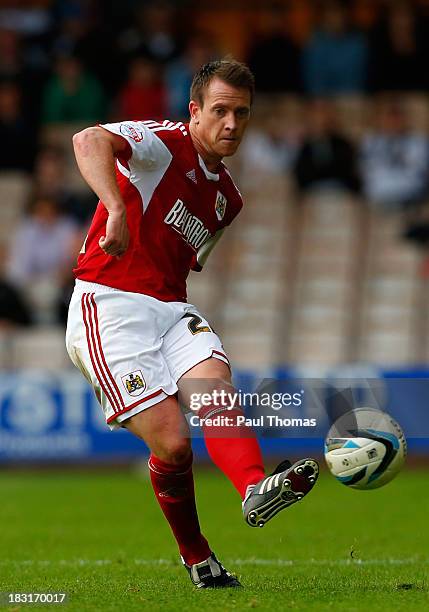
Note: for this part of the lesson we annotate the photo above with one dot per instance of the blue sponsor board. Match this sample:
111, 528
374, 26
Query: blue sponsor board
47, 416
55, 416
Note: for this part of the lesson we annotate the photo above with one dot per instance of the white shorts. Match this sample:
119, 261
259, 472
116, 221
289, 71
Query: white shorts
133, 348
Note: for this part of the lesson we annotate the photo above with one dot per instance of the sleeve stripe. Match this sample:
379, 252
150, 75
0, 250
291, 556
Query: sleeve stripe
155, 126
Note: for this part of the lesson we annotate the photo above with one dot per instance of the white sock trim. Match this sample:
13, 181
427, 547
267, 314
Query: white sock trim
248, 493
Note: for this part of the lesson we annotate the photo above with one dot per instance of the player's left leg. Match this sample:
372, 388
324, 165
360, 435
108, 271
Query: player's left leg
235, 450
198, 364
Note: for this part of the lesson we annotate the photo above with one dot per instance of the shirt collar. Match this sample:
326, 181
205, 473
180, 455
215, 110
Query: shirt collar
211, 176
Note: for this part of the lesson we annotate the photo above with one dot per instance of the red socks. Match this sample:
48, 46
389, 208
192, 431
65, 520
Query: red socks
174, 489
233, 448
235, 451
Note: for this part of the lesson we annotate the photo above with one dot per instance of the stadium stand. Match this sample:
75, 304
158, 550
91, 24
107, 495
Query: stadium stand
326, 275
392, 291
320, 279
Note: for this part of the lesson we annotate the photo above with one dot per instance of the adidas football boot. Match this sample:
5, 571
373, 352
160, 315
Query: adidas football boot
285, 486
210, 574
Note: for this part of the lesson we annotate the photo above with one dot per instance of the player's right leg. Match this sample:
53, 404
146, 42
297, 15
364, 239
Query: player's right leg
164, 429
235, 450
285, 486
113, 337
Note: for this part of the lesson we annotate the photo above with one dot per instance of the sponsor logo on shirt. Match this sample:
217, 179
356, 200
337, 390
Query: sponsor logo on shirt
134, 382
132, 132
190, 227
220, 205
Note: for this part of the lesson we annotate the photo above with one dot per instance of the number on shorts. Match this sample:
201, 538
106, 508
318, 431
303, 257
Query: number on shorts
194, 324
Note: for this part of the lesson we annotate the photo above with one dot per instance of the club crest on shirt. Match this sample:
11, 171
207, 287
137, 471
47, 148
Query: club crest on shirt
134, 382
220, 205
132, 132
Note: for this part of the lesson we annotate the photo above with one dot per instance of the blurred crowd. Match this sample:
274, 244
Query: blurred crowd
81, 62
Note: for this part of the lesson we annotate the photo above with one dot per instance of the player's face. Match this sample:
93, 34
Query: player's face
221, 121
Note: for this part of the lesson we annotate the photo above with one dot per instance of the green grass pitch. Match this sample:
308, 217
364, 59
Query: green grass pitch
101, 539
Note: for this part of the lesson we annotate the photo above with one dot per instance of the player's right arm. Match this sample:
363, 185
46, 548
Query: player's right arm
95, 150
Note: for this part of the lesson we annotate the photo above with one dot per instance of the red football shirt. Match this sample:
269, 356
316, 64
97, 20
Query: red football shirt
176, 210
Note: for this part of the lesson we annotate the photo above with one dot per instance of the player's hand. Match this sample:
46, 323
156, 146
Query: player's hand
117, 237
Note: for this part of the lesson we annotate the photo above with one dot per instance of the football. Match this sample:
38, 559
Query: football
365, 448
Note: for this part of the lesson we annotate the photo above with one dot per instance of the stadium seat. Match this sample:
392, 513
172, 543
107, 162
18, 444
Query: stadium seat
14, 193
41, 347
392, 292
323, 286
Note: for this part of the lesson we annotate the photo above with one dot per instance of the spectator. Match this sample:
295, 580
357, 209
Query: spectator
151, 33
394, 161
41, 256
13, 309
83, 33
274, 58
50, 180
24, 63
72, 95
417, 230
11, 64
269, 149
335, 59
16, 134
399, 48
143, 96
22, 17
326, 159
179, 74
23, 54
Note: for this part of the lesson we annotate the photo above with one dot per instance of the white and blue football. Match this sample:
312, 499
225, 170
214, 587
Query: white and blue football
365, 448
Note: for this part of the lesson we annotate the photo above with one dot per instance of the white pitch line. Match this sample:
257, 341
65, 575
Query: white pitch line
351, 562
250, 561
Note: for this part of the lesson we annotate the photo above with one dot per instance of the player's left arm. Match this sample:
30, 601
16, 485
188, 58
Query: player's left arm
205, 250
